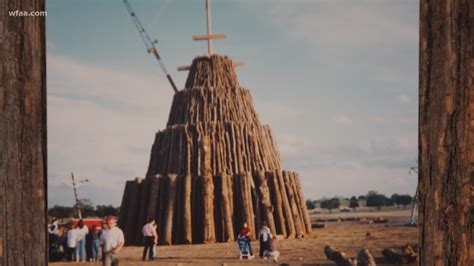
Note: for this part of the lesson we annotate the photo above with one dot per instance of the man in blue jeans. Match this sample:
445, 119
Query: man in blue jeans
82, 231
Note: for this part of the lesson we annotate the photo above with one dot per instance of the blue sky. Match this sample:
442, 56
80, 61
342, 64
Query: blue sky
336, 80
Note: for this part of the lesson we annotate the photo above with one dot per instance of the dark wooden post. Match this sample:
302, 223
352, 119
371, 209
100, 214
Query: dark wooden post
446, 132
22, 135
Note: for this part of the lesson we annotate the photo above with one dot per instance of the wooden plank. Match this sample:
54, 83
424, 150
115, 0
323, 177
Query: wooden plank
209, 37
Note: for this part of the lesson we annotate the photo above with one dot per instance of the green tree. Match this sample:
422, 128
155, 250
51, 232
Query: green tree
330, 204
104, 210
61, 211
310, 204
376, 200
404, 200
353, 203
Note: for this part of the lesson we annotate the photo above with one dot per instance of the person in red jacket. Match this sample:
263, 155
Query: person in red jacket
245, 231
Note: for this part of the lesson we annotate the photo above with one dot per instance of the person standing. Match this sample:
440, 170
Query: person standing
245, 232
265, 236
82, 231
94, 236
112, 241
149, 234
71, 242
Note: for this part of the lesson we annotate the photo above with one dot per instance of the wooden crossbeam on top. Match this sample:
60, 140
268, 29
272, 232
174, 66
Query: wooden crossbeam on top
209, 37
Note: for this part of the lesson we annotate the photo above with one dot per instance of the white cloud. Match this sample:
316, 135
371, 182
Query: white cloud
377, 119
98, 121
342, 119
403, 99
343, 23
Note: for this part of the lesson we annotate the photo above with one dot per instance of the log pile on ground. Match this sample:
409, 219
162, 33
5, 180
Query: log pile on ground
213, 168
405, 256
365, 258
338, 257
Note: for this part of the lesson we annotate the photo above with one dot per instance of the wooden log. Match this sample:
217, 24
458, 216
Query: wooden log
124, 206
365, 258
153, 198
143, 208
446, 131
187, 229
257, 213
218, 209
23, 139
287, 211
265, 201
161, 206
208, 191
338, 257
178, 211
170, 208
247, 205
277, 202
226, 196
299, 231
304, 210
393, 256
133, 211
197, 210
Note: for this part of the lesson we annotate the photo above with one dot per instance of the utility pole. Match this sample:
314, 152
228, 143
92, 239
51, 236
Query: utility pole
78, 208
415, 198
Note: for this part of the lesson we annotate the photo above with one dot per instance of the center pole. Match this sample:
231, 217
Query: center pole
209, 31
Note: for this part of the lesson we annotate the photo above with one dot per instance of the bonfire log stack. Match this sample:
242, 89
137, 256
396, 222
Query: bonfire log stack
213, 168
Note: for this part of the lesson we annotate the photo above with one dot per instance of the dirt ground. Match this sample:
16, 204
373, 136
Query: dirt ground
349, 237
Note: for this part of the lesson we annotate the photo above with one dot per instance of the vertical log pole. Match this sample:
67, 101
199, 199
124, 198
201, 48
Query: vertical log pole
132, 212
287, 212
304, 210
227, 208
153, 199
279, 216
208, 191
143, 210
187, 230
23, 150
293, 205
122, 221
446, 131
265, 203
170, 208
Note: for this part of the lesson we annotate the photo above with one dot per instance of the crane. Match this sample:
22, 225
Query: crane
150, 45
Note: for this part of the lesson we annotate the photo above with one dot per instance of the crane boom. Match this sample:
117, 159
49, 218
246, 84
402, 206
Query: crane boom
150, 45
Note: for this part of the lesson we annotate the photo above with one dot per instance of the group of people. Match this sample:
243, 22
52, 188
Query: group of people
268, 247
81, 244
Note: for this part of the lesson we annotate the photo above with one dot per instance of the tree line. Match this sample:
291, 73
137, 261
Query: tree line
372, 199
87, 210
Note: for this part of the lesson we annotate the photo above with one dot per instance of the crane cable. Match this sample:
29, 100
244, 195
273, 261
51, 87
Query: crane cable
150, 45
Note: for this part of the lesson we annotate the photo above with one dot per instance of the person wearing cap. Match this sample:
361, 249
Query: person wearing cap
112, 241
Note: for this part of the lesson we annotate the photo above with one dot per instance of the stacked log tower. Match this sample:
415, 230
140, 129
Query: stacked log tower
213, 168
